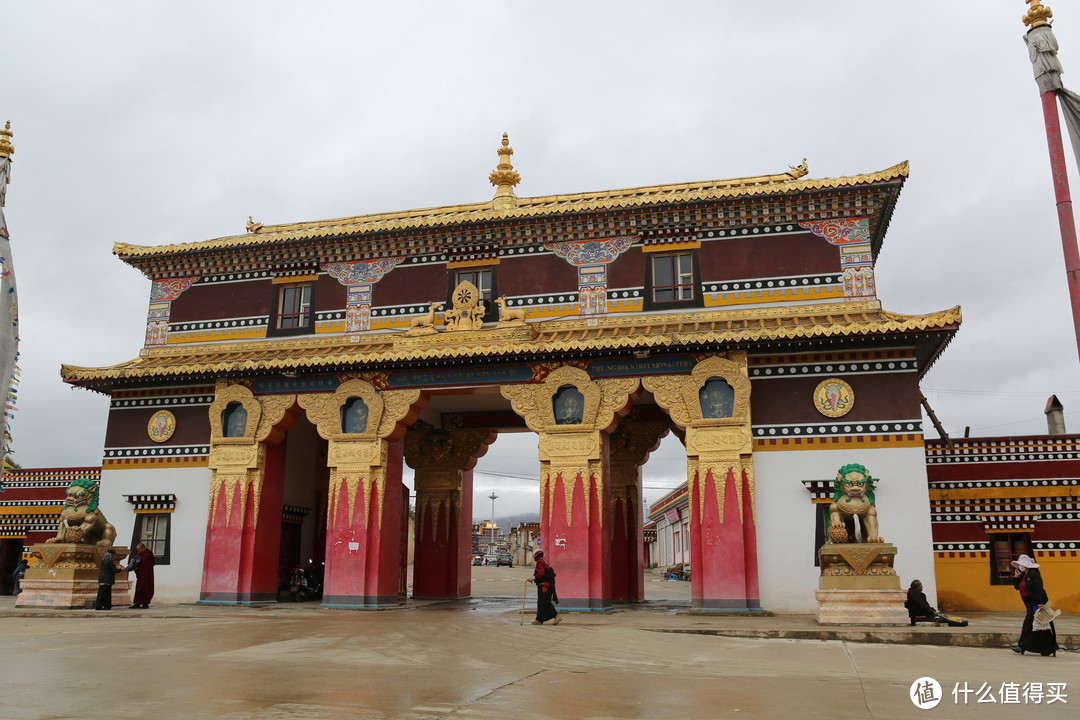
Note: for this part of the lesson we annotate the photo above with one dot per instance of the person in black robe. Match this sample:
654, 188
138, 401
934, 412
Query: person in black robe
546, 597
106, 580
919, 609
1028, 581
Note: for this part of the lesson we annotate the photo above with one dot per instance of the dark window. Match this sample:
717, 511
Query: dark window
354, 416
234, 420
1004, 548
153, 530
480, 277
673, 277
485, 281
294, 310
672, 281
821, 529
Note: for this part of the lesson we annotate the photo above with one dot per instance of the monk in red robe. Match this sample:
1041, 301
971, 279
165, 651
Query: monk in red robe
143, 564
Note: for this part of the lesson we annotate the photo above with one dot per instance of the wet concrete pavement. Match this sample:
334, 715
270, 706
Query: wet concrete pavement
473, 659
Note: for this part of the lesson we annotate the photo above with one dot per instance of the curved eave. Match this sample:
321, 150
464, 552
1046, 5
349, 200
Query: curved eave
638, 332
525, 208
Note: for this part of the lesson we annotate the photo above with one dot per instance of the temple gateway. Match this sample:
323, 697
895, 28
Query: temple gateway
289, 374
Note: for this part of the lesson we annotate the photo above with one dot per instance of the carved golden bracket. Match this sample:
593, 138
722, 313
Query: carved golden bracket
574, 450
238, 463
357, 460
629, 446
439, 457
713, 444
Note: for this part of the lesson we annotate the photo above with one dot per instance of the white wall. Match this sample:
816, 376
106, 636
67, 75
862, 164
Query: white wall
181, 579
786, 521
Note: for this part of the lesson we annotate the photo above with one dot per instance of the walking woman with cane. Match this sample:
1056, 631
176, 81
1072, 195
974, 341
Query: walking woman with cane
546, 597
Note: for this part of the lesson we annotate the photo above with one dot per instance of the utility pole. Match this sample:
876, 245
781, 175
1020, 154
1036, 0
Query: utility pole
493, 497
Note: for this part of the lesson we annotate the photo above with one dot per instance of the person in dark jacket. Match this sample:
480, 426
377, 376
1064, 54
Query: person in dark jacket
142, 562
106, 580
1028, 580
544, 577
918, 608
17, 576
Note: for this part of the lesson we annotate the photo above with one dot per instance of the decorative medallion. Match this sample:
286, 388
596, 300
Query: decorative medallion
161, 426
834, 397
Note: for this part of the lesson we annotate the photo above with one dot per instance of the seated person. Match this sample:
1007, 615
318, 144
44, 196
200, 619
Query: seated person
917, 606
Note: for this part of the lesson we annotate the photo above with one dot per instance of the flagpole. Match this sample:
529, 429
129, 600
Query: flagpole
1043, 47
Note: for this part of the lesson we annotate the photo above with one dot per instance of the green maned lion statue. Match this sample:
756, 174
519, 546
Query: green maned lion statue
81, 521
854, 496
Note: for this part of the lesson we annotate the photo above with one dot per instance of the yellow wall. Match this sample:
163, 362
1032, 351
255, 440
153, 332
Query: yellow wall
963, 584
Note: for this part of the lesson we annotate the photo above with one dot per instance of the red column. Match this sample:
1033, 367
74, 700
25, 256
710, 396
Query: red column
750, 564
1063, 198
363, 553
627, 542
580, 550
717, 559
240, 564
432, 561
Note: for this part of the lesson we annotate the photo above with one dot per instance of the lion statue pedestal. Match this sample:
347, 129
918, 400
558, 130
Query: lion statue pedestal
66, 576
858, 585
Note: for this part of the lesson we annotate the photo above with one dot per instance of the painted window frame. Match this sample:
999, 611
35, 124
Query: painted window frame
488, 295
138, 535
685, 282
303, 311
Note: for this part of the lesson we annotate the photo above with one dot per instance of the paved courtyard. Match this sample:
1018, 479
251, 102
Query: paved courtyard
473, 659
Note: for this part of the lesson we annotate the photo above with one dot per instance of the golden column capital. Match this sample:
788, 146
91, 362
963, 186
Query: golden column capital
1037, 14
6, 148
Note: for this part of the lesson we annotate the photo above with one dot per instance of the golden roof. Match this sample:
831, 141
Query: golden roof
634, 332
787, 182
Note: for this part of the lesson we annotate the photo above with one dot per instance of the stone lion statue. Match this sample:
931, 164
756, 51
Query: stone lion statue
81, 521
854, 496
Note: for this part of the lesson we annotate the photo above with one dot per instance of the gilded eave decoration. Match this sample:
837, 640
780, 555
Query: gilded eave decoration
782, 183
706, 328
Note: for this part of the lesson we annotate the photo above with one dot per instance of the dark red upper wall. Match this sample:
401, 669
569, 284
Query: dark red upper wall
767, 256
223, 300
721, 259
885, 396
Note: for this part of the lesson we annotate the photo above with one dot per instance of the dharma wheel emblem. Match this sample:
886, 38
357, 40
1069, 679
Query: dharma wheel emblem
834, 397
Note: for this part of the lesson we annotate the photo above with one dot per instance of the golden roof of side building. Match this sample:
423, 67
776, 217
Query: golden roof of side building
635, 332
788, 182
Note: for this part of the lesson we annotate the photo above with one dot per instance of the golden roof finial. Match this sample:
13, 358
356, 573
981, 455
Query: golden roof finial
6, 148
1037, 14
504, 178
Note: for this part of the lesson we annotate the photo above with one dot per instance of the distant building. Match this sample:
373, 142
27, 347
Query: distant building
993, 499
30, 509
524, 541
671, 517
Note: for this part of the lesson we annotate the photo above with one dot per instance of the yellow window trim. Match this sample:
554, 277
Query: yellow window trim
664, 247
471, 263
293, 279
154, 511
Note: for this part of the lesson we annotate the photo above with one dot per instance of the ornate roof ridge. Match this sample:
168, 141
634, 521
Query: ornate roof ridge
636, 332
790, 181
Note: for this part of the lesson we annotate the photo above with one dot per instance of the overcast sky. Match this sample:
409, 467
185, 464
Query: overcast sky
153, 123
